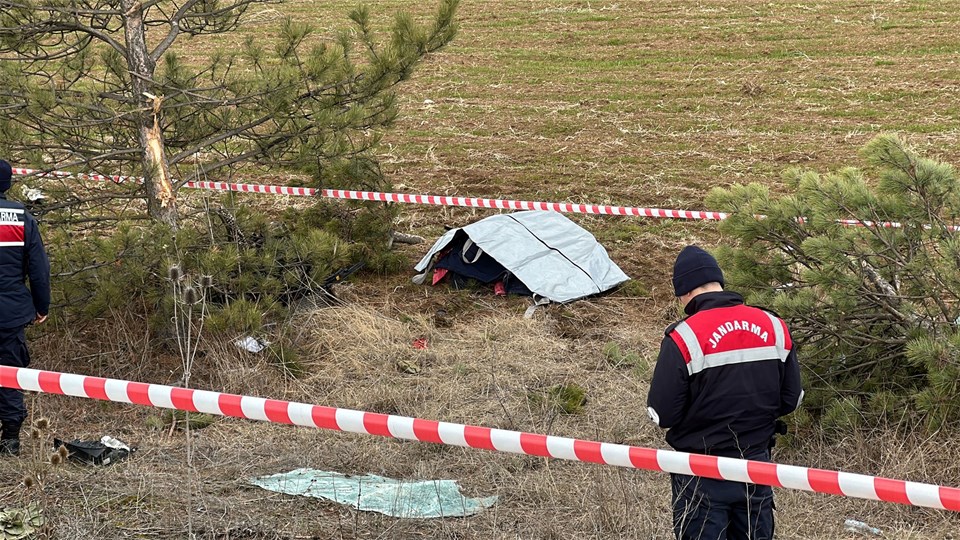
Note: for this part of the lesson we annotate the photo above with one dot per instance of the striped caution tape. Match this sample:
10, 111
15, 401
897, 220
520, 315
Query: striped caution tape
437, 200
500, 440
446, 200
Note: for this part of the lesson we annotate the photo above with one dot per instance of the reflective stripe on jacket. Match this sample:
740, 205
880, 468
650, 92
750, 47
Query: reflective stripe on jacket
11, 227
732, 335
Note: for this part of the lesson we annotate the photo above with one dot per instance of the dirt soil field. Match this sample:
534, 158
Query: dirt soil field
640, 103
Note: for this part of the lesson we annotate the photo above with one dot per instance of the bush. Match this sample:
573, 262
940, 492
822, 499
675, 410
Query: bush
561, 398
255, 268
874, 305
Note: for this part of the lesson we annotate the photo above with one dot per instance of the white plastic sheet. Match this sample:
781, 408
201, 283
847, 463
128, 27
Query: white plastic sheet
399, 498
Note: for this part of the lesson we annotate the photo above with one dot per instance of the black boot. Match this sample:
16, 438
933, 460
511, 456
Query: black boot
10, 447
10, 438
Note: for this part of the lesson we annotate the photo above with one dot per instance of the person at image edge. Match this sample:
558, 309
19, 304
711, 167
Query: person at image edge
22, 258
725, 374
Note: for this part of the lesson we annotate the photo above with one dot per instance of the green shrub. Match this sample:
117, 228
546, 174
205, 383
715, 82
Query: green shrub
256, 268
617, 358
563, 398
287, 359
874, 307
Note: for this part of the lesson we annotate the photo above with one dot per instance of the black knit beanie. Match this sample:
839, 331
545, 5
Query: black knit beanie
694, 267
6, 172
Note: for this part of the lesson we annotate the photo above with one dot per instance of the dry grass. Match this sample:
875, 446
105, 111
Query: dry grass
636, 103
483, 364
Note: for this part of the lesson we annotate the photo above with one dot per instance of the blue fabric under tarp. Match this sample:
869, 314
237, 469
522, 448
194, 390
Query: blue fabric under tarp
473, 263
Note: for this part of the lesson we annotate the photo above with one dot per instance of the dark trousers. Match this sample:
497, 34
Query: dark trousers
708, 509
13, 352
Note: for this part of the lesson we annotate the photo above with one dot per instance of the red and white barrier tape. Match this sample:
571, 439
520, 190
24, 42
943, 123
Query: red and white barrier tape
446, 200
438, 200
500, 440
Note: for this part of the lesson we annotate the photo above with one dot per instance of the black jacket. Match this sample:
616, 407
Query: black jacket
22, 257
722, 393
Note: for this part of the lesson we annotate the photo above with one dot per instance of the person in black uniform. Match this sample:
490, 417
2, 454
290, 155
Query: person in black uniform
22, 258
725, 374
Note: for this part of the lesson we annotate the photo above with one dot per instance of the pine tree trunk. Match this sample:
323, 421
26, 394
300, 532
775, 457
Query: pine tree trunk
161, 199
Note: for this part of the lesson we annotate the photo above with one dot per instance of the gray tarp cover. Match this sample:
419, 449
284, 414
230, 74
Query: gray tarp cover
553, 256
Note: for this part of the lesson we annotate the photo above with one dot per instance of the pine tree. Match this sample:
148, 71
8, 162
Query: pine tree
873, 303
97, 85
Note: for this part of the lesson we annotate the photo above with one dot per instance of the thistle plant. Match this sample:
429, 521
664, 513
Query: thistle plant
189, 300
